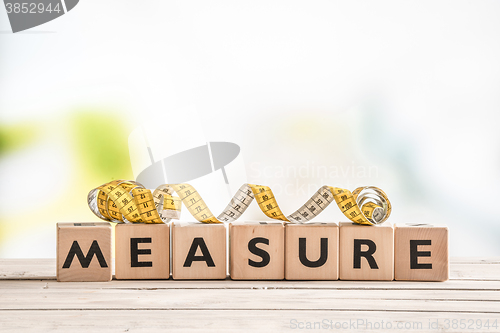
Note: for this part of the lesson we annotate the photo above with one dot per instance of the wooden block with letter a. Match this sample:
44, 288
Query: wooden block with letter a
257, 251
311, 251
84, 252
421, 252
366, 252
198, 250
142, 251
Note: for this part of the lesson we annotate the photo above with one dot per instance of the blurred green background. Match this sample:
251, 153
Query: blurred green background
56, 162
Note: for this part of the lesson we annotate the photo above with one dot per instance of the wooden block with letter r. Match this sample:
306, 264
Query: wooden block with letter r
84, 251
421, 252
198, 250
311, 251
142, 251
366, 252
257, 250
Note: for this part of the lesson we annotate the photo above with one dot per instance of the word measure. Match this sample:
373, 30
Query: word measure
257, 251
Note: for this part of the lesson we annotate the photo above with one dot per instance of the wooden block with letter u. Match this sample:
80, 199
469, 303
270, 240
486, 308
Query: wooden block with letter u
84, 252
142, 251
421, 252
366, 252
257, 250
198, 250
311, 251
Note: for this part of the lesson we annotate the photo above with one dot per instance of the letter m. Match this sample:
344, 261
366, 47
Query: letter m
85, 260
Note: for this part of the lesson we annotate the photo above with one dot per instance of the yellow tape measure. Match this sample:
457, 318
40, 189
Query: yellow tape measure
128, 201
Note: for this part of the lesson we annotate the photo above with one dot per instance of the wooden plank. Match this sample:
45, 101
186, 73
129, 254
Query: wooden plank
19, 289
12, 269
332, 285
254, 299
228, 284
485, 272
475, 260
28, 269
150, 321
32, 301
459, 285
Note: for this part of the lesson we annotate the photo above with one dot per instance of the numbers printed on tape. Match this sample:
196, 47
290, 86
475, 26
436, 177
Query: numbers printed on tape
128, 201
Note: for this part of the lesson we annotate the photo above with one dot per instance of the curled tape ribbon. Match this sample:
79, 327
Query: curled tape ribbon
128, 201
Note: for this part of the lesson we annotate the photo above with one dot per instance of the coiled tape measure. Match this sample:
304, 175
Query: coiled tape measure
126, 201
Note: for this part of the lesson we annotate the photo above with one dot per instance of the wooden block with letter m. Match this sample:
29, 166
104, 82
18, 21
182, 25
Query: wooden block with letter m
84, 251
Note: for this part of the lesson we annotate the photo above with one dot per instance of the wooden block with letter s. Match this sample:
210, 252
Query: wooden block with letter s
421, 252
311, 251
366, 252
198, 250
142, 251
84, 252
257, 250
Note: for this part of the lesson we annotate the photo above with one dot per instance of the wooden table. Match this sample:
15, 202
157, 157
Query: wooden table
31, 300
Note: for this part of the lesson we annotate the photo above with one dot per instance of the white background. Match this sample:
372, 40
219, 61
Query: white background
409, 90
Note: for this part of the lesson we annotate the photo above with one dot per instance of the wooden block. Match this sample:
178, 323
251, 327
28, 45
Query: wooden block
142, 251
257, 250
421, 252
84, 252
311, 251
198, 251
366, 252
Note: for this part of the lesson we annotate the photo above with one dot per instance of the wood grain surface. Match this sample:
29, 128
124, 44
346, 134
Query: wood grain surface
31, 300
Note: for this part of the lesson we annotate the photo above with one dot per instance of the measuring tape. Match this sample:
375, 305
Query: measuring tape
126, 201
